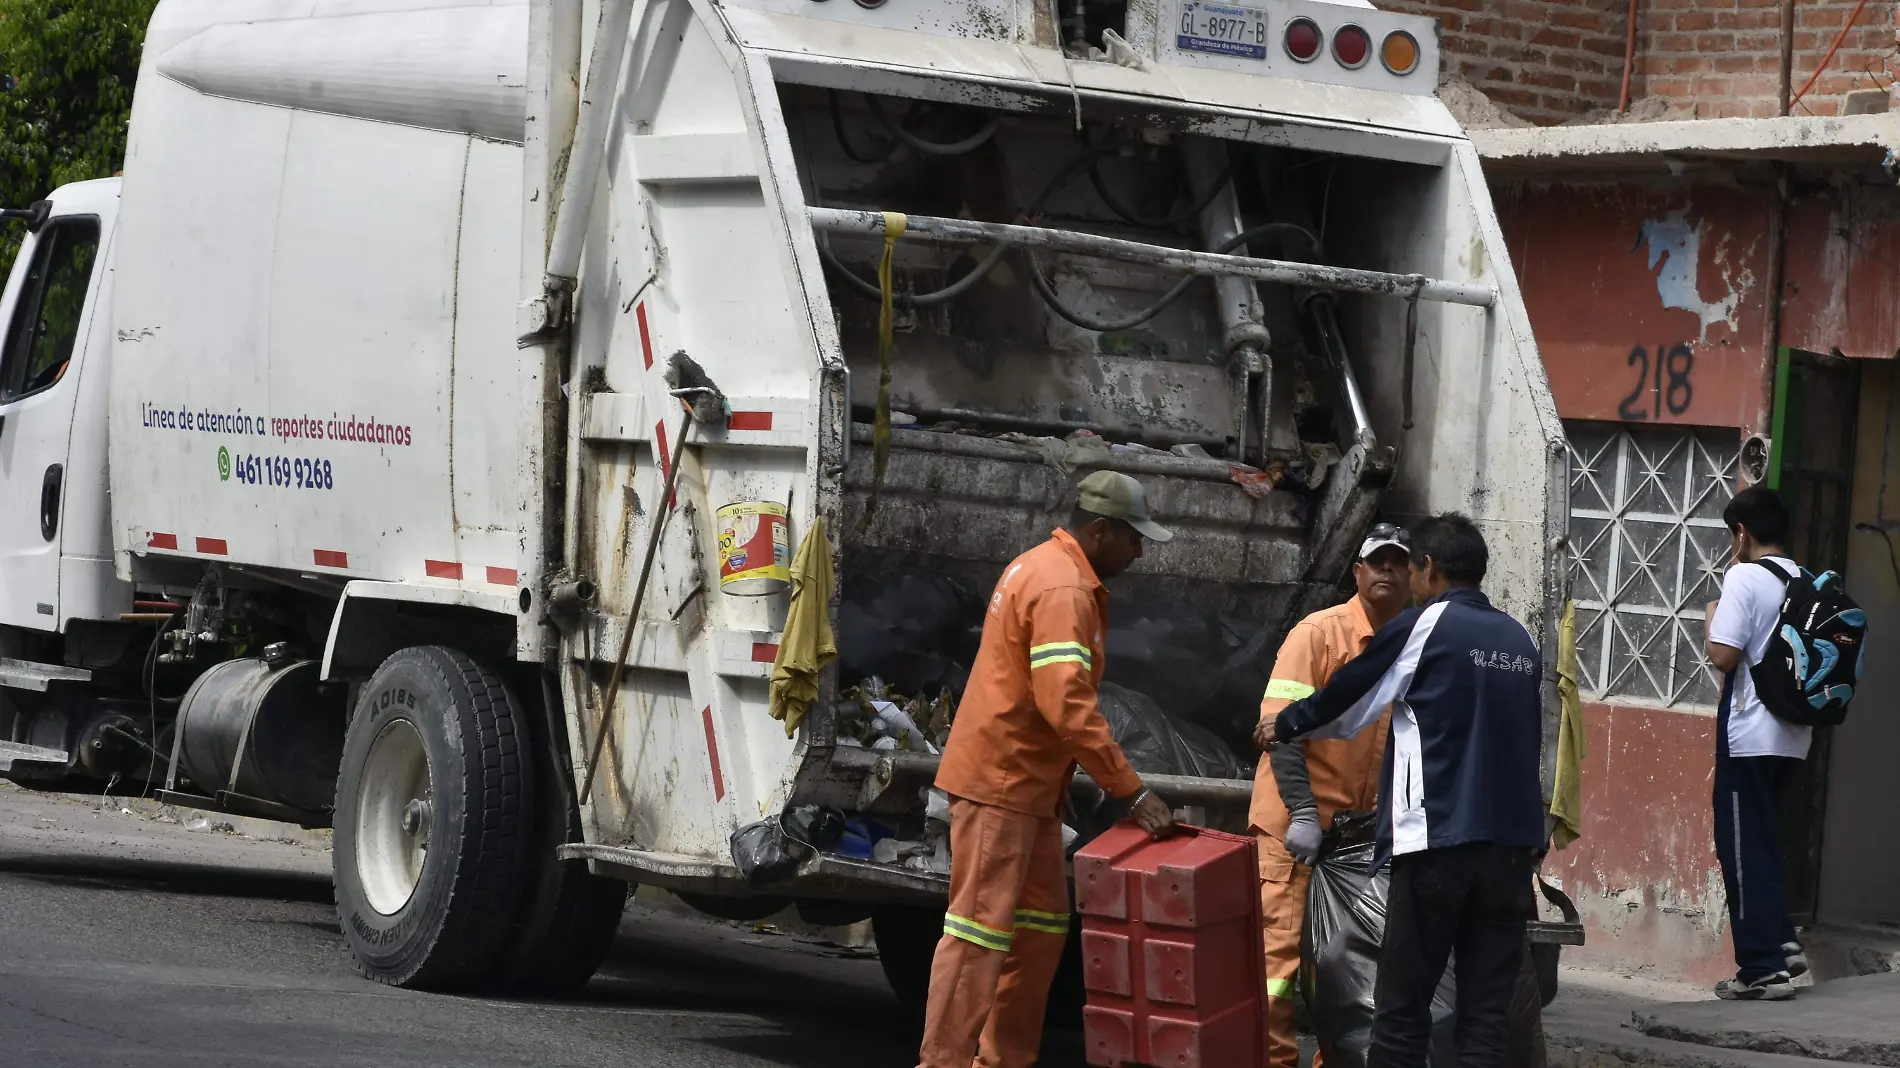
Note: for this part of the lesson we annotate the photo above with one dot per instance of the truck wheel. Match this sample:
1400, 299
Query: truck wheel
568, 914
906, 944
433, 811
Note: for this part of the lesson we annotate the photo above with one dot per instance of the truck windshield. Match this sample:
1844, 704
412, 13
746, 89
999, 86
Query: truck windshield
45, 326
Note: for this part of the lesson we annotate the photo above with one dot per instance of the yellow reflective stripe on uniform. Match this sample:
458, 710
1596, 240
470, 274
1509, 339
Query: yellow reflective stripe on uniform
1046, 922
1279, 988
1060, 653
973, 932
1288, 690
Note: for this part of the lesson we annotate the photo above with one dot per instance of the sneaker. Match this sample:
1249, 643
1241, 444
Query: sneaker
1774, 987
1797, 959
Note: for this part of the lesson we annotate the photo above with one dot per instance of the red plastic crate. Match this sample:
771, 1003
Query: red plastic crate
1171, 952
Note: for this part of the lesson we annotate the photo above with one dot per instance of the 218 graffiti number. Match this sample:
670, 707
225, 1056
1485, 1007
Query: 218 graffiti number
1676, 396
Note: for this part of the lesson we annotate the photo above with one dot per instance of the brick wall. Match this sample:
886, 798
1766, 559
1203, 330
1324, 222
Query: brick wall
1545, 60
1722, 58
1551, 61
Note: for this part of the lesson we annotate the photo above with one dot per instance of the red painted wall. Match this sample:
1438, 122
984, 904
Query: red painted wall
1629, 329
1843, 288
1644, 874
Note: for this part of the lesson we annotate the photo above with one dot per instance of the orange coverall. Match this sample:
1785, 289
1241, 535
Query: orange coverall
1027, 717
1345, 777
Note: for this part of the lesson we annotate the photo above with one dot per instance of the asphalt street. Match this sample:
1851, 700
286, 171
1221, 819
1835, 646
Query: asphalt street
126, 940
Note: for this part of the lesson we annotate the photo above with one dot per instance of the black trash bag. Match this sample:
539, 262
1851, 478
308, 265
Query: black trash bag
916, 630
1200, 667
1158, 744
772, 849
1339, 948
818, 826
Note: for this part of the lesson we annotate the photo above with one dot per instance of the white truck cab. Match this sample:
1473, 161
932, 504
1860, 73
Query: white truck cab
55, 533
374, 454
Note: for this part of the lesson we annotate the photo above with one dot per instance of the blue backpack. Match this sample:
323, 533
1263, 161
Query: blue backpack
1813, 661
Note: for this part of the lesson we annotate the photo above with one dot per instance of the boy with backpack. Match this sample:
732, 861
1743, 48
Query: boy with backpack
1788, 645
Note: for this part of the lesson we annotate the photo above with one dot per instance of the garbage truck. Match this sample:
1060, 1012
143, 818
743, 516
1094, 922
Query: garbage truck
412, 440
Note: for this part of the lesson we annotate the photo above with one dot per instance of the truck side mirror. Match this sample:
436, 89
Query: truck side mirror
35, 214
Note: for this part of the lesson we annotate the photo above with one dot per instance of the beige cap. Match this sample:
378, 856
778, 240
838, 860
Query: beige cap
1119, 496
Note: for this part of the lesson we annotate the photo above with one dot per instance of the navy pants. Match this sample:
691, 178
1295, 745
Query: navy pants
1747, 814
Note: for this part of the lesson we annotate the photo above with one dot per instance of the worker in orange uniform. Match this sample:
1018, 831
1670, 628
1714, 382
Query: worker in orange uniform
1297, 791
1027, 718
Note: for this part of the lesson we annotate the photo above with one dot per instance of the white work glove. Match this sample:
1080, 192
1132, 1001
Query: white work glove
1302, 836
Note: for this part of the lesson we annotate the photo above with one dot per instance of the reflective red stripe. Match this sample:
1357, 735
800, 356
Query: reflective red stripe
712, 750
442, 569
646, 341
213, 547
764, 652
501, 576
162, 541
330, 558
750, 421
666, 462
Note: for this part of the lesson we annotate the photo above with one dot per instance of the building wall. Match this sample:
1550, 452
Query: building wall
1545, 60
1612, 273
1722, 58
1644, 874
1552, 61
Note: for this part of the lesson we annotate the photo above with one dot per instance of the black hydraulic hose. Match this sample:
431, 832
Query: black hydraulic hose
837, 127
922, 300
1166, 222
962, 285
1048, 293
932, 148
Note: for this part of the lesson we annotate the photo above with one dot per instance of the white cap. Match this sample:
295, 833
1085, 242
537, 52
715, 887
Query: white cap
1383, 535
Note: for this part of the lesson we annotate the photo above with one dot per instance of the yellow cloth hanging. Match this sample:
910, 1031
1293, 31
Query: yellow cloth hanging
894, 226
808, 644
1566, 795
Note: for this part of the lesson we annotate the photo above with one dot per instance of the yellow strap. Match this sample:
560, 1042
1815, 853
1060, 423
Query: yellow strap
975, 933
1279, 988
1288, 690
894, 225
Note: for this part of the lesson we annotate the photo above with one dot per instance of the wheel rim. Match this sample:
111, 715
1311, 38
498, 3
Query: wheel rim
394, 817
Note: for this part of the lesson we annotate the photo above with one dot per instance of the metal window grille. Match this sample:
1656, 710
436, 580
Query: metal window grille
1647, 549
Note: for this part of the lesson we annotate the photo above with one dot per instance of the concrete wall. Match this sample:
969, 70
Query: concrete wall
1860, 869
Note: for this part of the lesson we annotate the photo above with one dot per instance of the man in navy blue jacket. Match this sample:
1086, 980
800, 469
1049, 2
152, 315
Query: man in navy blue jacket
1460, 801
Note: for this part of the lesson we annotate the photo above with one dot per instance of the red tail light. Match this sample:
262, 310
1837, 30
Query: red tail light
1351, 47
1303, 39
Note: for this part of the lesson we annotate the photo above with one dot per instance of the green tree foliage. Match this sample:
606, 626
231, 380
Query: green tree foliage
67, 68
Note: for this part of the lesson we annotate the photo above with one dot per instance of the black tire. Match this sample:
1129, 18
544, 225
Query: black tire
568, 914
450, 931
906, 944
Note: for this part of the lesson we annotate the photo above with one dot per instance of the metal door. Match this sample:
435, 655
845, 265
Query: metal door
45, 313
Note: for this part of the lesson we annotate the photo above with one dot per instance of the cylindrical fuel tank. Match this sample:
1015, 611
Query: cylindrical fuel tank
289, 731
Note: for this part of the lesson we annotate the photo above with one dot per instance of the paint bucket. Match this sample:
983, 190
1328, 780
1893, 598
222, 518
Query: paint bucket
755, 552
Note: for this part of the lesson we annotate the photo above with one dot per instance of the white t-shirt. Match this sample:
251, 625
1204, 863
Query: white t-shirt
1746, 619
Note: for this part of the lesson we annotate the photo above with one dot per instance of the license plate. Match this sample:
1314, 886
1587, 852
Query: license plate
1222, 29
